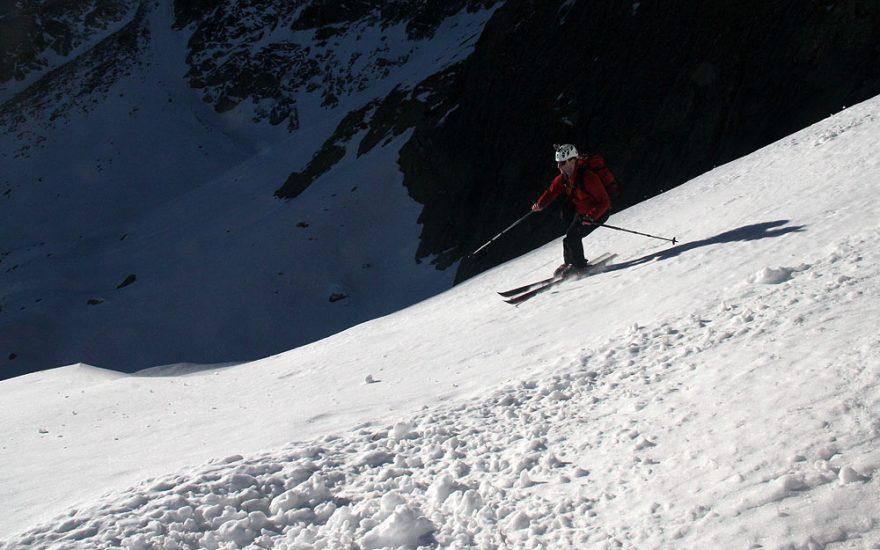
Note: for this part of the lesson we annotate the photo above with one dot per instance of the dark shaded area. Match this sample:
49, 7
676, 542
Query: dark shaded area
422, 17
31, 31
754, 232
80, 83
665, 91
400, 110
232, 58
187, 12
10, 370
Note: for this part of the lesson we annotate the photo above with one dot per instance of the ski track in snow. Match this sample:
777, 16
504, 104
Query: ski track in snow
563, 458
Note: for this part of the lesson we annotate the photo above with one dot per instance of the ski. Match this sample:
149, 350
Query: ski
597, 266
516, 300
531, 286
528, 287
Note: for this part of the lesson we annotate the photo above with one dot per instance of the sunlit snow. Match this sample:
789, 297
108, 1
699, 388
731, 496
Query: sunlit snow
721, 393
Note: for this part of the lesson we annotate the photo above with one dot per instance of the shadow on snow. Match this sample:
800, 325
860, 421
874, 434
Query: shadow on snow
752, 232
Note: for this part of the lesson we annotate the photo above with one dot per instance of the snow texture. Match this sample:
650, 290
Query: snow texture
721, 393
697, 396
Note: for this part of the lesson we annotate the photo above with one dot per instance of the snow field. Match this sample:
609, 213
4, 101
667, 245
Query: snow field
722, 393
702, 431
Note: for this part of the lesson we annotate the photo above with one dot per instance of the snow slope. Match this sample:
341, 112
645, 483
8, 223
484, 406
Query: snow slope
721, 393
141, 177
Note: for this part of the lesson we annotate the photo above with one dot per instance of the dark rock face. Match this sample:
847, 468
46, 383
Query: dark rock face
664, 90
233, 57
80, 83
383, 119
31, 31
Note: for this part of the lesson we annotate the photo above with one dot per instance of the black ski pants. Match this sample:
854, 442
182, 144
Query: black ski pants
572, 245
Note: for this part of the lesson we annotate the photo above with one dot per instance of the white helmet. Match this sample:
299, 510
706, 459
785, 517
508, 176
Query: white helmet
565, 152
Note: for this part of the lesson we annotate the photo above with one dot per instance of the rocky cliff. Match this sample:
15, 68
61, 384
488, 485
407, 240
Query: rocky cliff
665, 90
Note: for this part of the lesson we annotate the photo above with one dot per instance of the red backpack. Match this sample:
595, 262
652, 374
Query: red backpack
596, 163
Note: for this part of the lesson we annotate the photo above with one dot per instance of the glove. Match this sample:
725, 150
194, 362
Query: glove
537, 207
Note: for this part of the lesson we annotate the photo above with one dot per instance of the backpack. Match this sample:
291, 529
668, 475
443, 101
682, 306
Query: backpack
596, 164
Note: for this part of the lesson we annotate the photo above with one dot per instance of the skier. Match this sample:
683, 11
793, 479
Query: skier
590, 200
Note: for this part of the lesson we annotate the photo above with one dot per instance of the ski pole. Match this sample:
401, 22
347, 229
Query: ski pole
514, 224
673, 240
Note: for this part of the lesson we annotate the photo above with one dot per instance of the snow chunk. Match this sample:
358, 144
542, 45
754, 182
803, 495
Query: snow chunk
771, 276
309, 494
775, 275
557, 395
374, 458
519, 520
237, 482
524, 480
848, 475
403, 430
238, 532
466, 504
390, 501
441, 488
786, 485
289, 500
405, 527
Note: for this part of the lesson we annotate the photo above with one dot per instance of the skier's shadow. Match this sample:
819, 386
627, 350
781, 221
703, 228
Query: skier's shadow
752, 232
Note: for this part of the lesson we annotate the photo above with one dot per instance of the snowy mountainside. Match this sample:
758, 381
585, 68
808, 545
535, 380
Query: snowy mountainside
720, 393
38, 35
241, 52
138, 211
664, 90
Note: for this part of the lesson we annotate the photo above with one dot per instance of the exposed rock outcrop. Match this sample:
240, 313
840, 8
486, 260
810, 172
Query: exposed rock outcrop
664, 90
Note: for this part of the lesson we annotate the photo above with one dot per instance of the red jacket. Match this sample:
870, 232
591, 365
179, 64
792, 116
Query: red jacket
589, 196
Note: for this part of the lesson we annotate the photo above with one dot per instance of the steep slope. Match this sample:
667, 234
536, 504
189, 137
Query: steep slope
138, 133
719, 393
37, 36
137, 198
665, 90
